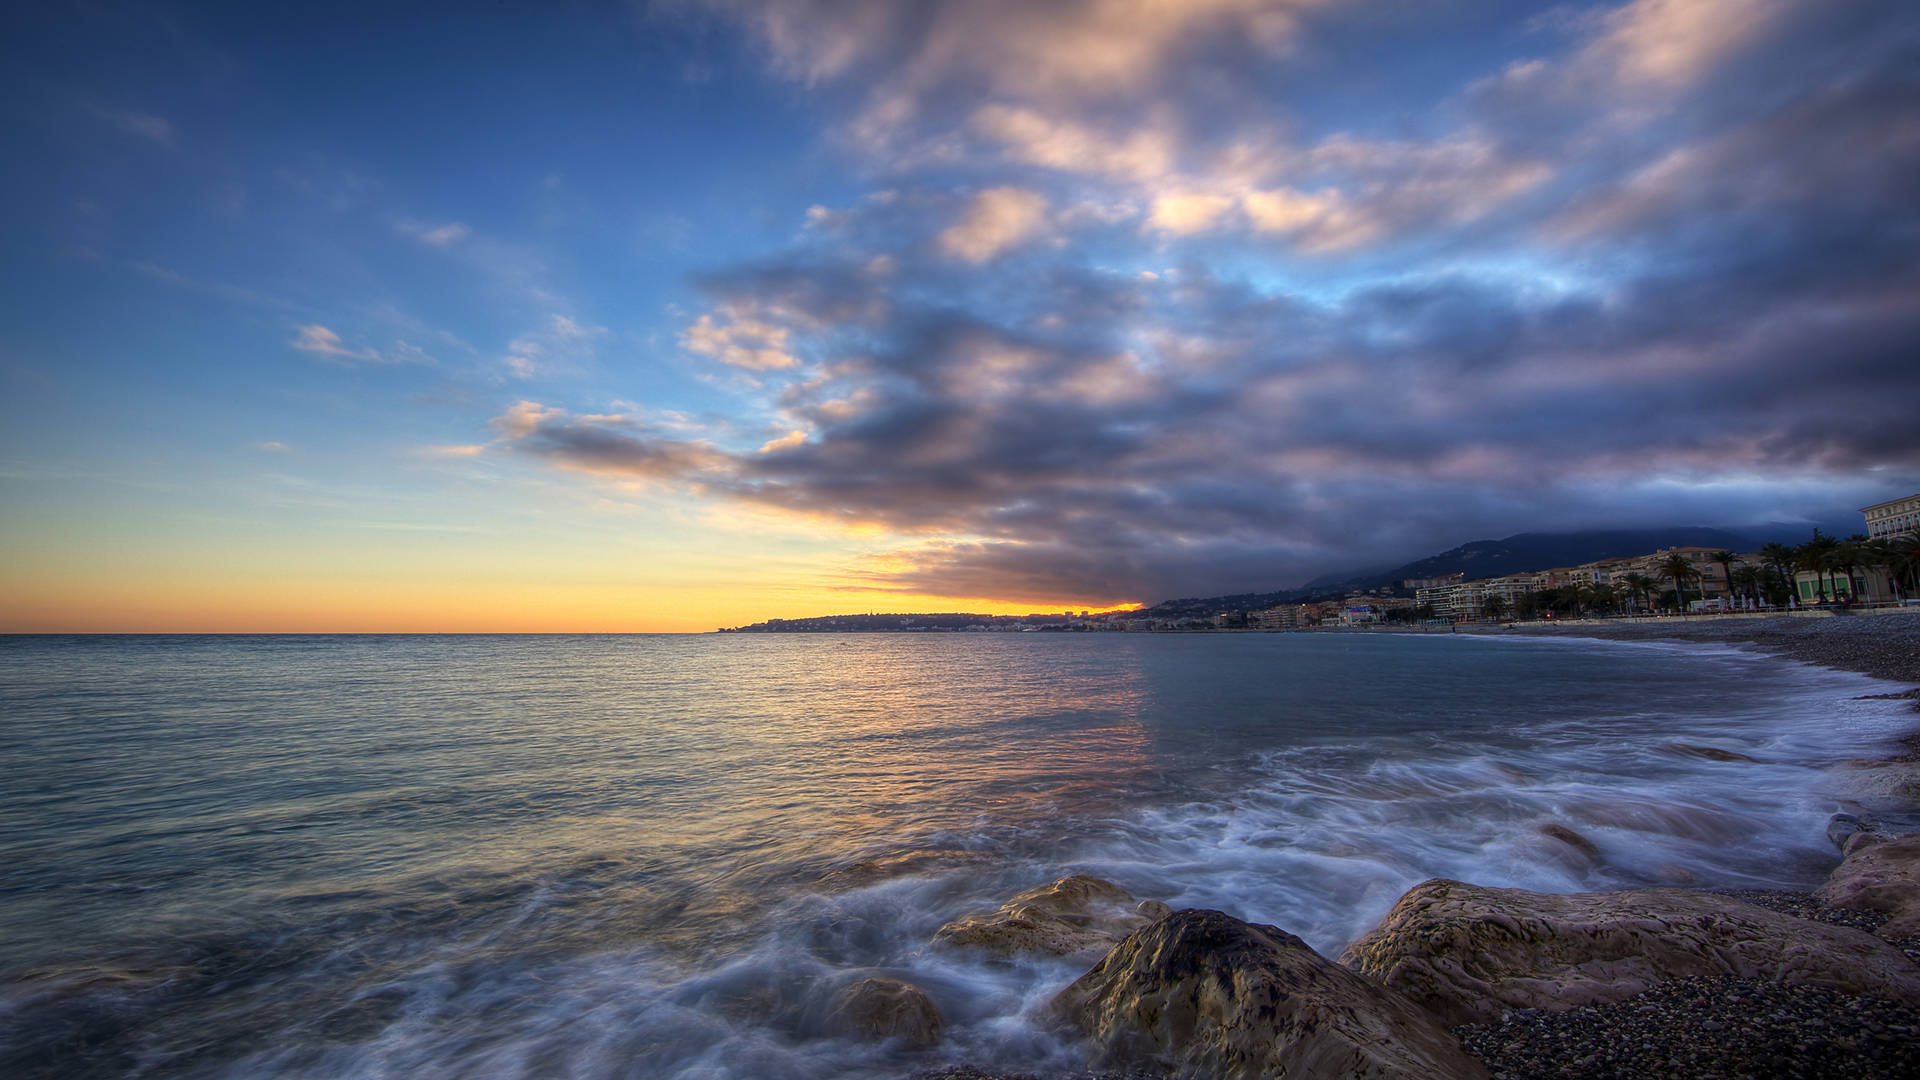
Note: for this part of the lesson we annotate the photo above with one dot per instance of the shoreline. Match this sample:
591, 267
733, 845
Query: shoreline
1721, 1026
1883, 646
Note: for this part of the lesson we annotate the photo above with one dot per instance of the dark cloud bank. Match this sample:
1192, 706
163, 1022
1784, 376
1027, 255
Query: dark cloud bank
1706, 311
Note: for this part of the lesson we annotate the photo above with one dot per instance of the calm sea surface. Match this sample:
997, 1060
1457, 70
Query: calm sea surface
658, 856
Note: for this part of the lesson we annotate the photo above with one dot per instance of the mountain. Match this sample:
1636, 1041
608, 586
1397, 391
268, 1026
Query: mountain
1522, 552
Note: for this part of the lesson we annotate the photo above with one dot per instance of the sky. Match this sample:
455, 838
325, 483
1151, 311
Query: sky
674, 315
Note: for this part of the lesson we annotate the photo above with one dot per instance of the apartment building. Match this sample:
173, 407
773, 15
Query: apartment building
1895, 517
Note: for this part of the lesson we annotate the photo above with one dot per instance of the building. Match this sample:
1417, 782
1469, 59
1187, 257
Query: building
1709, 578
1895, 517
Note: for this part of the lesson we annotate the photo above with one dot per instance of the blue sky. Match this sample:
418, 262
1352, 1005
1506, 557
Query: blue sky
677, 314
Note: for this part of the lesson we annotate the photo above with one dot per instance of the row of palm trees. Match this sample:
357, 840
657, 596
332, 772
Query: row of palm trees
1833, 560
1835, 563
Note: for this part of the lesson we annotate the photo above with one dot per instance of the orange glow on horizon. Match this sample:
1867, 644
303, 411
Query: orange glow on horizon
322, 607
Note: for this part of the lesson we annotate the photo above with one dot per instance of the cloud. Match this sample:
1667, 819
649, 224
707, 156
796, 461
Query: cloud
149, 126
742, 340
560, 346
1145, 154
996, 221
1185, 212
439, 236
1659, 272
1041, 50
610, 445
320, 341
785, 442
1674, 43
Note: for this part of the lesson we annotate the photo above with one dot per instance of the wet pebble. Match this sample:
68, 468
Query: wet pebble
1693, 1029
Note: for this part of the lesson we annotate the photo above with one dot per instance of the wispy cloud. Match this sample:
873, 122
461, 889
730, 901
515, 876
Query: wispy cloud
439, 236
320, 341
143, 125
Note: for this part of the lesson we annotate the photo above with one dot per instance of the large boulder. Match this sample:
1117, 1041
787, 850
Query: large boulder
1470, 953
877, 1009
1878, 874
1202, 994
1077, 914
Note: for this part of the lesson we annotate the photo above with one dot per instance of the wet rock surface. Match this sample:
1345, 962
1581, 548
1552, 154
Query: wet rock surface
1202, 994
1470, 953
1882, 876
1074, 915
1707, 1029
876, 1010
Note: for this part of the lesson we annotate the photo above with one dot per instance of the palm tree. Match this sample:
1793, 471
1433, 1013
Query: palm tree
1847, 556
1725, 559
1781, 558
1677, 569
1748, 578
1605, 597
1643, 587
1493, 606
1578, 596
1904, 566
1816, 557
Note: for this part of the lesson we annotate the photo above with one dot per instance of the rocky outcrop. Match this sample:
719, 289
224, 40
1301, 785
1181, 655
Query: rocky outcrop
878, 1009
1842, 829
1077, 914
1202, 994
1470, 953
1879, 874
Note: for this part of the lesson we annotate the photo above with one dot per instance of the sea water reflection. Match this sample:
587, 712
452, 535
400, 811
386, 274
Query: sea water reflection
633, 855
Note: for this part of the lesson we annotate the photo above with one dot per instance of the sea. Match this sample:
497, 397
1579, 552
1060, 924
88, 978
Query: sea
661, 856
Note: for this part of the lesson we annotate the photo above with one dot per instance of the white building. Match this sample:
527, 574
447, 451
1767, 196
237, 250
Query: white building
1895, 517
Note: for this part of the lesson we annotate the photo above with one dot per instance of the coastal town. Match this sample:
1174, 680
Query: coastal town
1876, 568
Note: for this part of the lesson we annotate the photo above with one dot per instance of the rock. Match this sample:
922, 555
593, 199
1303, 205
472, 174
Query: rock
1677, 874
1863, 839
1840, 827
1153, 909
1711, 753
1576, 851
879, 1009
1470, 953
866, 872
1878, 876
1077, 914
1880, 785
1203, 994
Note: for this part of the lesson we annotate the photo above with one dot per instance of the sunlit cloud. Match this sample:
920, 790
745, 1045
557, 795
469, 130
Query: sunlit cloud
320, 341
995, 222
741, 340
